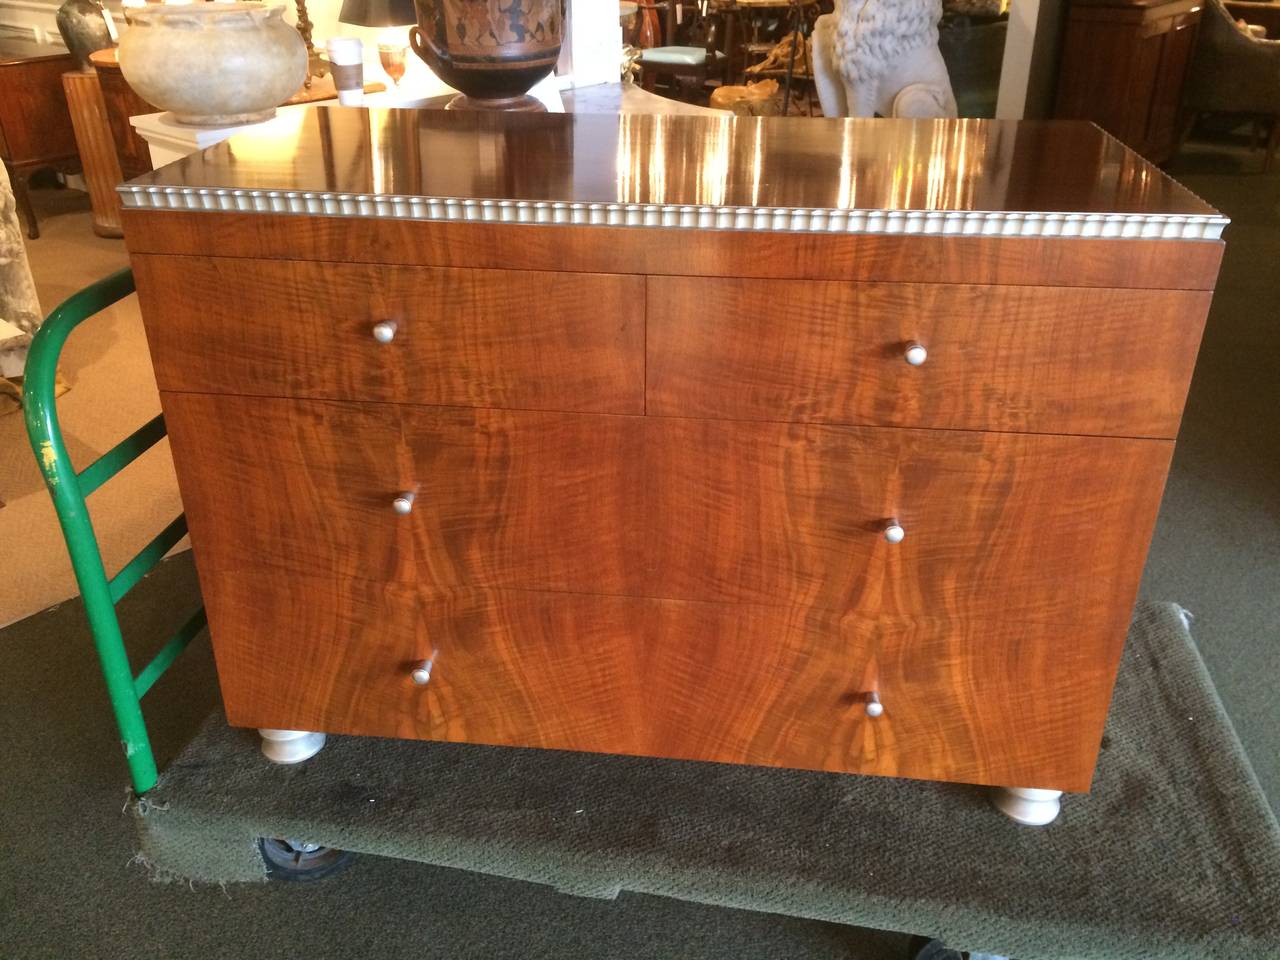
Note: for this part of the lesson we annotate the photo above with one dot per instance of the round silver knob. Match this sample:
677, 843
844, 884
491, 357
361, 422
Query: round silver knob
403, 504
874, 706
385, 331
915, 354
893, 532
421, 673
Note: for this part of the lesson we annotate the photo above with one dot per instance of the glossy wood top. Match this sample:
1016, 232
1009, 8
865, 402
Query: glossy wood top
108, 57
20, 50
818, 165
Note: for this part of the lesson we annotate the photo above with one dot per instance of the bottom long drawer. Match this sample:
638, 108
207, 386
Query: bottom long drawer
996, 703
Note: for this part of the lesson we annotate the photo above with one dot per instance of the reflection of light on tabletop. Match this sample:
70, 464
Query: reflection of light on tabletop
272, 140
938, 170
633, 177
757, 162
713, 172
650, 171
904, 174
381, 159
1135, 178
658, 175
848, 169
955, 157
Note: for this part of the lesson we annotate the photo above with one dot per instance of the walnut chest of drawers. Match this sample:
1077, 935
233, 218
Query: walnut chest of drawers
820, 444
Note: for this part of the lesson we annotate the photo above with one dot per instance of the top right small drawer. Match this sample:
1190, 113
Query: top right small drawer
959, 356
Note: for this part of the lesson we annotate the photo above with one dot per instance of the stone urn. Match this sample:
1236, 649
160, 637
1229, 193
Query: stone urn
213, 64
491, 50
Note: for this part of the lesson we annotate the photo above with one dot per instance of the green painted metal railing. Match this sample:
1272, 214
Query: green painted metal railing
69, 491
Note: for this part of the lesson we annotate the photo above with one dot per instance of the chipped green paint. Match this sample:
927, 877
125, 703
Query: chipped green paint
48, 458
68, 491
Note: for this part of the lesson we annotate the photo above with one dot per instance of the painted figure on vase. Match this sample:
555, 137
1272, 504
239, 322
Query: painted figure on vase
490, 23
491, 50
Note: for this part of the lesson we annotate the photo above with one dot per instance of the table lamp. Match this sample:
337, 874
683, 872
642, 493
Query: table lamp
378, 13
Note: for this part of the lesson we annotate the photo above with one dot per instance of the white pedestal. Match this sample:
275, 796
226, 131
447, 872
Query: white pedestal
168, 140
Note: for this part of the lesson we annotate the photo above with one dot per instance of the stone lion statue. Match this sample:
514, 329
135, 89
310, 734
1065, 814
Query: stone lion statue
19, 309
881, 57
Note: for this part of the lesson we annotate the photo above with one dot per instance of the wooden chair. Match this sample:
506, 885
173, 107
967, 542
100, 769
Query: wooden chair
702, 62
1234, 73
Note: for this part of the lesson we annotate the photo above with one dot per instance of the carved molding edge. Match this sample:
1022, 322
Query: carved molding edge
1119, 226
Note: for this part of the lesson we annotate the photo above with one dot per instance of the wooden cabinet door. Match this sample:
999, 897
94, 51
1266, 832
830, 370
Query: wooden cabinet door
1144, 80
1107, 73
1123, 67
33, 111
1178, 44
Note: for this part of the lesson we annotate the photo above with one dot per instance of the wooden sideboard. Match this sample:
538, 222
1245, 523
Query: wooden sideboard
35, 127
122, 103
826, 444
1124, 64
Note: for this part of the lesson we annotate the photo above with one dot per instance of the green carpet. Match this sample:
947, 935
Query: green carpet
1174, 854
1216, 550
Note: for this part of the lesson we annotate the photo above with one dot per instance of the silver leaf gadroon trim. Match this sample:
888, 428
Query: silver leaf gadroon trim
929, 223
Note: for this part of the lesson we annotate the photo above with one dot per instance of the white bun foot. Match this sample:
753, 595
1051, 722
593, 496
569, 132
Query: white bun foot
1035, 808
290, 746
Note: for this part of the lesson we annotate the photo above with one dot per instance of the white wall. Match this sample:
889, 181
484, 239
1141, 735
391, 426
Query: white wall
1029, 72
32, 18
38, 17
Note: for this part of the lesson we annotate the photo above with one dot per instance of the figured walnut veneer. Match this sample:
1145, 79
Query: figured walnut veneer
489, 338
703, 510
1043, 359
651, 471
773, 685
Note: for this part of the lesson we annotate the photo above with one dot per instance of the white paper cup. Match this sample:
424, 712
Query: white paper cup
346, 61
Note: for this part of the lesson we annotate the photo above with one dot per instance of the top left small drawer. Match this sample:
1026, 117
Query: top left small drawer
476, 338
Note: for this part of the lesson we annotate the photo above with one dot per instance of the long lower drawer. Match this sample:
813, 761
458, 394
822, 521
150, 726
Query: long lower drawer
988, 526
984, 702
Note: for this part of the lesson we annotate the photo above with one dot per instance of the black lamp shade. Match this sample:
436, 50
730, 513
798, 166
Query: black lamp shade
378, 13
